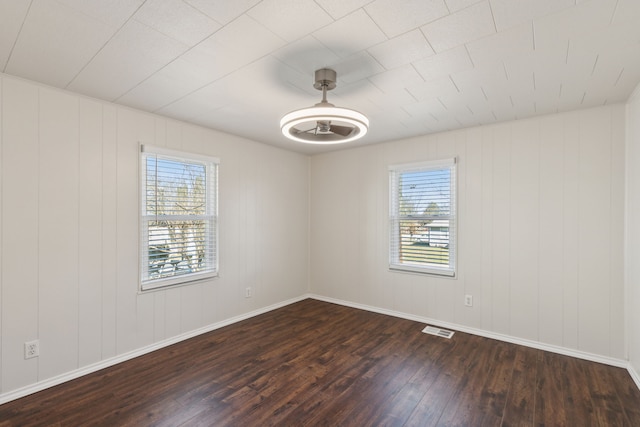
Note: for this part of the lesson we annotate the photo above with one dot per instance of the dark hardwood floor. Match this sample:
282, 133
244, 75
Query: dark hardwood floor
319, 364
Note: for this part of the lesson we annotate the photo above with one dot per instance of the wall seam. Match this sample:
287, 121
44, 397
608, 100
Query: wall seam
309, 218
38, 234
1, 226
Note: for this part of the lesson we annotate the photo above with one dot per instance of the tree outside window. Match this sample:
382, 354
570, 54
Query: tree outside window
178, 218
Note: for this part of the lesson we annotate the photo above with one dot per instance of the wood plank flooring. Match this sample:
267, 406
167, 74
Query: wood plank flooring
318, 364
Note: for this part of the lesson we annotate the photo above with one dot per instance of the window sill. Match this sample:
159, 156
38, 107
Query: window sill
399, 268
175, 282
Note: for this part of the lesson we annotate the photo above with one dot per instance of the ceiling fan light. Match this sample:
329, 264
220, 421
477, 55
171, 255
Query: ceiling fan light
327, 114
324, 123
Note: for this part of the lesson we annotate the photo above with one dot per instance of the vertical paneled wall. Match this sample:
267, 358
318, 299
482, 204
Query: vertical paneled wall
632, 266
541, 211
69, 231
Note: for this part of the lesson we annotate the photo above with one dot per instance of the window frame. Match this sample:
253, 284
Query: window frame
395, 264
211, 165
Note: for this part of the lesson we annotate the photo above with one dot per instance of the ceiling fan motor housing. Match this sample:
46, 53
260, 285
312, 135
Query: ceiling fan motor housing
325, 77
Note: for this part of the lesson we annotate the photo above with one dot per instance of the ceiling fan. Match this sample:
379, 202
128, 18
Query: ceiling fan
324, 123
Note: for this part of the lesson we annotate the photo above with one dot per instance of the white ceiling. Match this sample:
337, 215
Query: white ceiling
412, 66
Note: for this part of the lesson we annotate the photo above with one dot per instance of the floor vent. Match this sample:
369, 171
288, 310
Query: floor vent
438, 332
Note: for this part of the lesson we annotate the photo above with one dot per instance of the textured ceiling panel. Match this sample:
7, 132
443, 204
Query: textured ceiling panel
444, 64
341, 38
177, 20
13, 13
399, 16
290, 19
55, 42
132, 55
460, 27
339, 8
412, 66
223, 11
509, 13
402, 50
114, 13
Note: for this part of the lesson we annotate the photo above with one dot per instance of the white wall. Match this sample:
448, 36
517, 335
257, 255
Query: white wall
541, 208
69, 231
632, 270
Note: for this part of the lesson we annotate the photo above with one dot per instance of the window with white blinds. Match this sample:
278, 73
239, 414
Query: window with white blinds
423, 217
178, 222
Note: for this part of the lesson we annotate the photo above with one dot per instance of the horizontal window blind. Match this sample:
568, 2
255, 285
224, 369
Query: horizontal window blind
423, 217
178, 217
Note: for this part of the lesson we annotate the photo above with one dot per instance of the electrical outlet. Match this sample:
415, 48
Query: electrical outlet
248, 292
468, 300
31, 349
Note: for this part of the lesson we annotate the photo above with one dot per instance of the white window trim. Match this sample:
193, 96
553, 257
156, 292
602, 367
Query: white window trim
155, 284
394, 262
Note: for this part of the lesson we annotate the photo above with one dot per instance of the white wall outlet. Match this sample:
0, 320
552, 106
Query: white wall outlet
468, 300
31, 349
248, 292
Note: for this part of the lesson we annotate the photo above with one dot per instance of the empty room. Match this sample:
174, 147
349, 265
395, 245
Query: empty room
320, 212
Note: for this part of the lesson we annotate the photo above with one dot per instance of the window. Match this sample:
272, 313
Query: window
178, 222
423, 217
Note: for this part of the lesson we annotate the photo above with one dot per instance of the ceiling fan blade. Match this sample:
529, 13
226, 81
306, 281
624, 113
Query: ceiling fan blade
314, 129
341, 130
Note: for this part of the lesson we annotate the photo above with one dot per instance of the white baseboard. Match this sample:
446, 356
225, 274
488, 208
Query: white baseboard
620, 363
634, 375
50, 382
68, 376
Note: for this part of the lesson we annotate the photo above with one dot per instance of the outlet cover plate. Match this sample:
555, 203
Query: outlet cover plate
31, 349
468, 300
